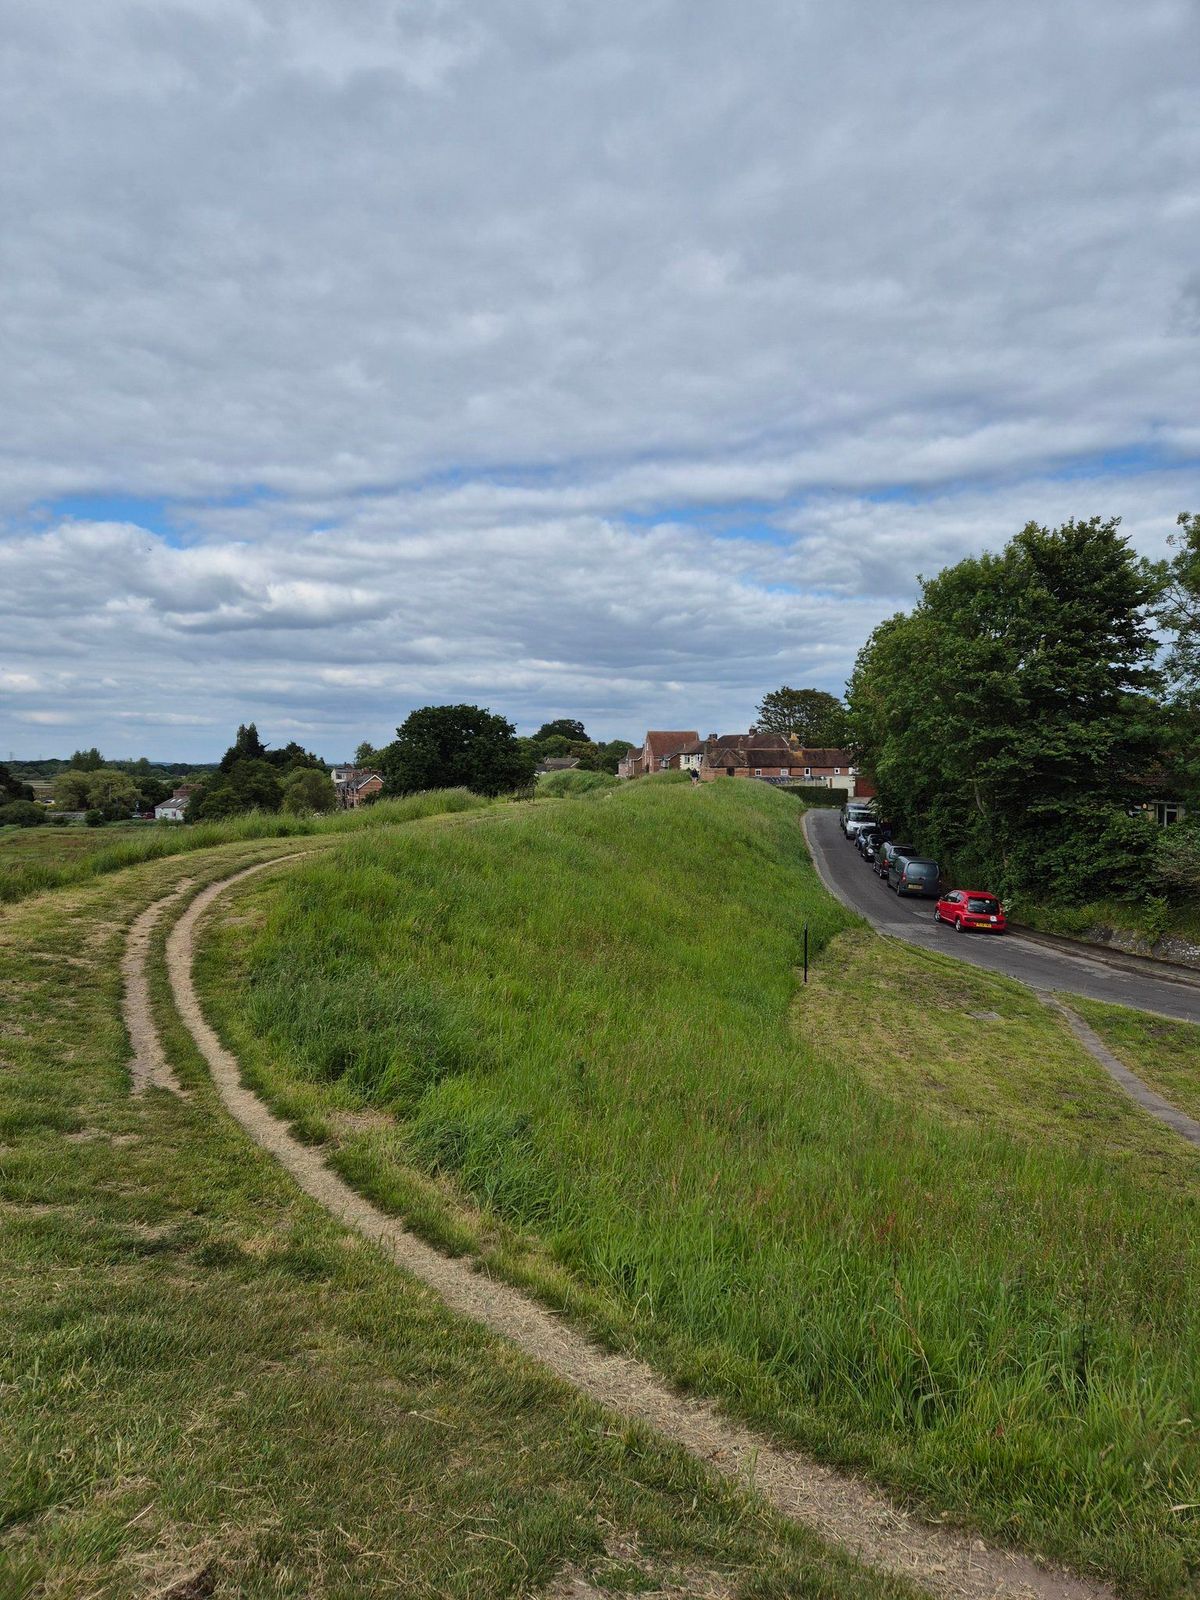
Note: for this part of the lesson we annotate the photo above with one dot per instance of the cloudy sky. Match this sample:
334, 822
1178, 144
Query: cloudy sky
619, 361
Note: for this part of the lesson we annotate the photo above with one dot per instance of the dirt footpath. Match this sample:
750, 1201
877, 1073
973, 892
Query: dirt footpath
839, 1507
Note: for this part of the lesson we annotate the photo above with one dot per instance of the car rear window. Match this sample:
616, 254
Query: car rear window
922, 871
984, 904
904, 849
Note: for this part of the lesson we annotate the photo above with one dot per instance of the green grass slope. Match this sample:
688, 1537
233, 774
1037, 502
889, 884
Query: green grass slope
207, 1387
899, 1216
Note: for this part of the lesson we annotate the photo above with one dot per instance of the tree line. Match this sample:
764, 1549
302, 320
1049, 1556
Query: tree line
1023, 718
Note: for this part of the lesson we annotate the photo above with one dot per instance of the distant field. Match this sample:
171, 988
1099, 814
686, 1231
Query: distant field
35, 859
899, 1216
54, 846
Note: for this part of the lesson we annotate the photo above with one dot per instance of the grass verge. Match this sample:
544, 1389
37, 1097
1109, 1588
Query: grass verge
1163, 1053
900, 1218
205, 1381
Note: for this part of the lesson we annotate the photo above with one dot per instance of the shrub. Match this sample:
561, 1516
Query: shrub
1177, 859
94, 818
21, 814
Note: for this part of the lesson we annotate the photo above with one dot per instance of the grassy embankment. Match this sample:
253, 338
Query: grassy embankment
202, 1374
35, 859
900, 1217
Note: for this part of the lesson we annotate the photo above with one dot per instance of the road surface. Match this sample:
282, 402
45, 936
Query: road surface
849, 877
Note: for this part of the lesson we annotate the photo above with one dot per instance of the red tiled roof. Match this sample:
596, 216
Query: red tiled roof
660, 743
823, 758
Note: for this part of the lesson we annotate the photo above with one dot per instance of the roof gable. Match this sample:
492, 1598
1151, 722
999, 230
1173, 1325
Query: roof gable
662, 742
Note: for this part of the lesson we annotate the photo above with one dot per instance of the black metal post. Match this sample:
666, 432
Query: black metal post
806, 952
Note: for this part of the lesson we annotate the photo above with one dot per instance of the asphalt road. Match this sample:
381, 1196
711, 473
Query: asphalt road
849, 877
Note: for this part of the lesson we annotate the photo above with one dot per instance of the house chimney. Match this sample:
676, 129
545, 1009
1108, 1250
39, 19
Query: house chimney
713, 737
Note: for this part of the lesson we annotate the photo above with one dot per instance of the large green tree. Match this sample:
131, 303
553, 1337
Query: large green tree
447, 747
1008, 719
12, 789
1177, 612
818, 719
568, 728
247, 746
1178, 606
246, 786
307, 789
104, 789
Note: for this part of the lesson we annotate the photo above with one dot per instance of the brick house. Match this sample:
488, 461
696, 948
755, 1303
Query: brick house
661, 749
354, 785
834, 766
753, 754
630, 764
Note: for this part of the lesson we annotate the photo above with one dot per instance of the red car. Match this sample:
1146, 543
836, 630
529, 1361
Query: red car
965, 909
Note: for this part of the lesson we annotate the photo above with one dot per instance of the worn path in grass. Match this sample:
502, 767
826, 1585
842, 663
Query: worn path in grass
841, 1508
846, 875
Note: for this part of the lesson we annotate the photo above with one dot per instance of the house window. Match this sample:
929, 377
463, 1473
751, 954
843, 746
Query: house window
1168, 812
758, 772
729, 772
837, 772
808, 772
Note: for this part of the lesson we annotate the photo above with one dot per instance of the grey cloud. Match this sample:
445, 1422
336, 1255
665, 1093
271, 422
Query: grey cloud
453, 290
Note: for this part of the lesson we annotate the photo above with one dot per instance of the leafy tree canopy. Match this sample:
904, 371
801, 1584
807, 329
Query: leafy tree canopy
246, 786
1009, 718
818, 719
12, 788
105, 789
564, 727
1178, 607
447, 747
247, 746
87, 760
555, 744
366, 755
307, 789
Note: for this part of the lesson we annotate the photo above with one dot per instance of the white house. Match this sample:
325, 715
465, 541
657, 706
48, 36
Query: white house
173, 810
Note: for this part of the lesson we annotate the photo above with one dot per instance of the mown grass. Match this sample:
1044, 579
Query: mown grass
202, 1376
1163, 1053
33, 860
900, 1217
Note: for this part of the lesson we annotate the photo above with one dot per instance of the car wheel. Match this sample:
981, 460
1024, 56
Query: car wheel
937, 915
958, 925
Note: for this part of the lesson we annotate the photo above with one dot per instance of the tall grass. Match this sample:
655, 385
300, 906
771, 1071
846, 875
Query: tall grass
584, 1014
23, 876
572, 783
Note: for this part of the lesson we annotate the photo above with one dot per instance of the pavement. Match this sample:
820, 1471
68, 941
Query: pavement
1122, 981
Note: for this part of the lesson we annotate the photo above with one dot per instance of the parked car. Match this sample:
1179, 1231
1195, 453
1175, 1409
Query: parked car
868, 839
855, 824
965, 909
915, 875
888, 852
855, 808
